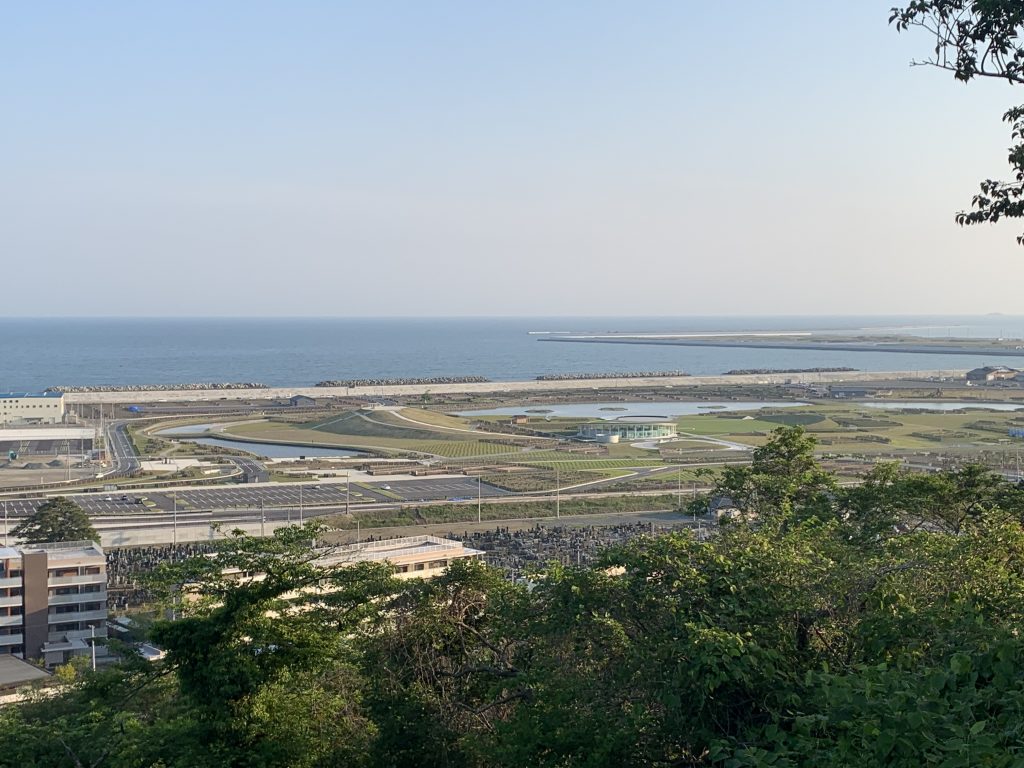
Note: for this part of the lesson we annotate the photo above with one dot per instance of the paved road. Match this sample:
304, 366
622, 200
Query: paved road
123, 458
252, 470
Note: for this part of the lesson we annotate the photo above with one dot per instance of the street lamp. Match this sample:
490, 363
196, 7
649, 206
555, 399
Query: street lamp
92, 637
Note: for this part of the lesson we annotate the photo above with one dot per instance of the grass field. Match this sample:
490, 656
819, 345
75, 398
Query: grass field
436, 419
572, 464
455, 513
841, 428
424, 441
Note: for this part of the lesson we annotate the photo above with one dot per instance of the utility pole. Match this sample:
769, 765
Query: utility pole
558, 494
263, 519
679, 487
300, 504
5, 523
479, 498
103, 437
92, 628
348, 511
175, 519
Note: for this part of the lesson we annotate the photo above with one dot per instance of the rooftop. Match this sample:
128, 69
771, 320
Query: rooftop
14, 671
56, 550
21, 395
391, 549
634, 420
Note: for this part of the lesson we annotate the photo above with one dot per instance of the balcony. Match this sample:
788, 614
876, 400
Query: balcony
98, 615
14, 581
11, 640
82, 597
11, 621
6, 602
87, 578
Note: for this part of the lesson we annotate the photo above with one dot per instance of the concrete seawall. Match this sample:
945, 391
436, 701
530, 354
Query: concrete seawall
531, 386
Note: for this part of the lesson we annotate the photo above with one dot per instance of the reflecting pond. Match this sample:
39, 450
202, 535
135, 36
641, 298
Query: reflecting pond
610, 411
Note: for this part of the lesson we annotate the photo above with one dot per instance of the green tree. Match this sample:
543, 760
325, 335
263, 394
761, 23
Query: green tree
870, 626
979, 39
783, 479
59, 519
262, 650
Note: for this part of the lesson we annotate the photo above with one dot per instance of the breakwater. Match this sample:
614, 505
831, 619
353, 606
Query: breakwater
402, 382
627, 375
757, 371
202, 385
901, 347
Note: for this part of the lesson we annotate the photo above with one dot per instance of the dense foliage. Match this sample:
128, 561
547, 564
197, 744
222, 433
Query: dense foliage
827, 625
58, 519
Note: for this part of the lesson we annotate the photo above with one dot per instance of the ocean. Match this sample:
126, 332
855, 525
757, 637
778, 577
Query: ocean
38, 353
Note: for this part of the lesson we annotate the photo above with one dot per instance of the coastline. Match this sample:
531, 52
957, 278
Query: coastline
532, 385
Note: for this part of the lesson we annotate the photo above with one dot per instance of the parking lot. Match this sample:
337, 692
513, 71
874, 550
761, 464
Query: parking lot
94, 505
251, 496
431, 489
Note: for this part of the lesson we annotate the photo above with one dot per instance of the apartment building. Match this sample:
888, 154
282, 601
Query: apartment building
53, 600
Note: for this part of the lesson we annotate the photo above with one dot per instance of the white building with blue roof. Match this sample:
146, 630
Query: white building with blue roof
31, 408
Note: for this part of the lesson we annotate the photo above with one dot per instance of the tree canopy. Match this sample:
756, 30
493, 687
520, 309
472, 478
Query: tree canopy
59, 519
979, 39
870, 625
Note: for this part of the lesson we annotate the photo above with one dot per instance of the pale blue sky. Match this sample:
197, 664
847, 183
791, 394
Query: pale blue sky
532, 158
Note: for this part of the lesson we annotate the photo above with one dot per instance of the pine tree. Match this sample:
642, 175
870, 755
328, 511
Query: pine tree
59, 519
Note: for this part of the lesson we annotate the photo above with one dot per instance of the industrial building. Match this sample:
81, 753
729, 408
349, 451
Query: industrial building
53, 600
18, 408
632, 428
992, 373
47, 441
412, 556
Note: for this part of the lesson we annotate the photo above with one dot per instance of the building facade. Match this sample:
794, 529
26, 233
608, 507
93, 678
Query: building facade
652, 428
53, 600
992, 373
17, 408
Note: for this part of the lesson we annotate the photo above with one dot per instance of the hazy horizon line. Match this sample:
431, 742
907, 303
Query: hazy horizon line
511, 317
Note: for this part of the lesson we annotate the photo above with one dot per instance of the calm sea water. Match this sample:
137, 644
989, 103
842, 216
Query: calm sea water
37, 353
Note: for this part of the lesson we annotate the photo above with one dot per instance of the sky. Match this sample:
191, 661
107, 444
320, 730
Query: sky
402, 158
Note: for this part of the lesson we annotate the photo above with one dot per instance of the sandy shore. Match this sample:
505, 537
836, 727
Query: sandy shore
499, 386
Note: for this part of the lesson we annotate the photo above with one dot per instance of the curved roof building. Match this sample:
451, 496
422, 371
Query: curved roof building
629, 428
